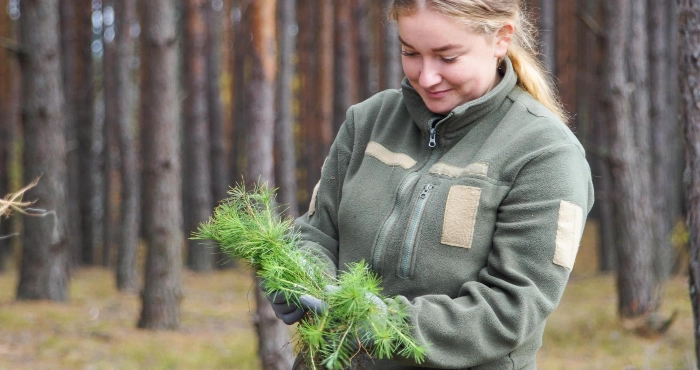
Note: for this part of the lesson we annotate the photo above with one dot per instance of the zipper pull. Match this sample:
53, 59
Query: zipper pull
426, 190
432, 143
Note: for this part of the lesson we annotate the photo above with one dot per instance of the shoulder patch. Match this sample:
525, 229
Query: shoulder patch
569, 231
312, 204
388, 157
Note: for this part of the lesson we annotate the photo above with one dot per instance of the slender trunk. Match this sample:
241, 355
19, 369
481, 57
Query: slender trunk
217, 136
547, 33
69, 53
83, 106
630, 179
130, 212
307, 100
390, 70
345, 68
273, 335
362, 41
45, 255
163, 287
665, 139
9, 114
285, 167
198, 204
689, 24
111, 116
325, 82
566, 54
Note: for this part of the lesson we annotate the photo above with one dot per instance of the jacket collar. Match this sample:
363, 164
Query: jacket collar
464, 114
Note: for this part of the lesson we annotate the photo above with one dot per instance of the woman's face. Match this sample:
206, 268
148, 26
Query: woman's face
447, 63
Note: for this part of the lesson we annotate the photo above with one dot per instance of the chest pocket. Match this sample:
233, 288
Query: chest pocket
460, 216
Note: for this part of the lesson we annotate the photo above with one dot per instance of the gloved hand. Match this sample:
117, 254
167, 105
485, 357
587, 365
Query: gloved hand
364, 336
289, 312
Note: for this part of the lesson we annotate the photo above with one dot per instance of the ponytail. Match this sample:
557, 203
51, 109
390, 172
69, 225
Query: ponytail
533, 79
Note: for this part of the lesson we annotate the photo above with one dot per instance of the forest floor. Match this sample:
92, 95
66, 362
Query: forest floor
96, 328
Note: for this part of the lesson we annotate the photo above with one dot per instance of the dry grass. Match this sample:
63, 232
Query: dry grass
96, 329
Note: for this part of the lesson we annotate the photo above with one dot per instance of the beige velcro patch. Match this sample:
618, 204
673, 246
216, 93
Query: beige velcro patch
460, 216
569, 230
388, 157
476, 168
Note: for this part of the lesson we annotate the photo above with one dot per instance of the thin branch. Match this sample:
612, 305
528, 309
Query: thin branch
591, 23
14, 202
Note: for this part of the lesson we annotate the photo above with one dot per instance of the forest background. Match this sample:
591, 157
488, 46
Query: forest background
136, 117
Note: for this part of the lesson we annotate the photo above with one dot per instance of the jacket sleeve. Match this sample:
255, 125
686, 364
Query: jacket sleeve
537, 234
318, 228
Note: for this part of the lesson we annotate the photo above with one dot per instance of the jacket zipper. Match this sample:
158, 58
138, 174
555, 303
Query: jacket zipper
413, 229
384, 231
389, 223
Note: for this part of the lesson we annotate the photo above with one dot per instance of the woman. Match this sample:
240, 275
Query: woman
464, 190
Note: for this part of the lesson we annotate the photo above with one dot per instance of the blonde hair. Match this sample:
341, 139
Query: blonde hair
488, 17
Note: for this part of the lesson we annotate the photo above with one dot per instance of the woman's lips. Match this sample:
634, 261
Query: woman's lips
437, 94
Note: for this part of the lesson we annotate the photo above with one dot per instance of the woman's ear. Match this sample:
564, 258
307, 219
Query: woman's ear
503, 38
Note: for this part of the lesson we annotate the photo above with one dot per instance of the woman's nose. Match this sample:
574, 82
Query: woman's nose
429, 75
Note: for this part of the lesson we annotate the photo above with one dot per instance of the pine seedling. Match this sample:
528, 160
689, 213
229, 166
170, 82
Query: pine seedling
358, 319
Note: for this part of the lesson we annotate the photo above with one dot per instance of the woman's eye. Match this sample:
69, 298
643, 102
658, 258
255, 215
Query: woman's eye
408, 53
449, 60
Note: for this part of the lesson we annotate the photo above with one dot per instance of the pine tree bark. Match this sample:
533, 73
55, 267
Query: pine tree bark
217, 136
163, 288
566, 29
111, 114
285, 166
360, 14
547, 33
665, 137
44, 272
85, 130
345, 68
308, 67
69, 53
630, 171
689, 81
197, 185
390, 70
129, 212
241, 77
273, 335
325, 85
9, 114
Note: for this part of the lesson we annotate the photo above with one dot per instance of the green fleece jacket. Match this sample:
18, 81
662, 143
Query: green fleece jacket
472, 220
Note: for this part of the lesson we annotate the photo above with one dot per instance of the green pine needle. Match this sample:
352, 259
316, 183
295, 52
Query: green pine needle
247, 226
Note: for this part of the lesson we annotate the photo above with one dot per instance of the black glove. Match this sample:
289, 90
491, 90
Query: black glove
290, 313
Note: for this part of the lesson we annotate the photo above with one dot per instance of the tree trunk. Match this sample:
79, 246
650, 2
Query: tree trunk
69, 53
163, 288
239, 88
285, 167
630, 172
9, 114
665, 138
689, 23
364, 48
325, 84
85, 131
308, 67
198, 204
547, 33
217, 136
345, 67
566, 29
111, 115
45, 255
130, 212
390, 70
273, 335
